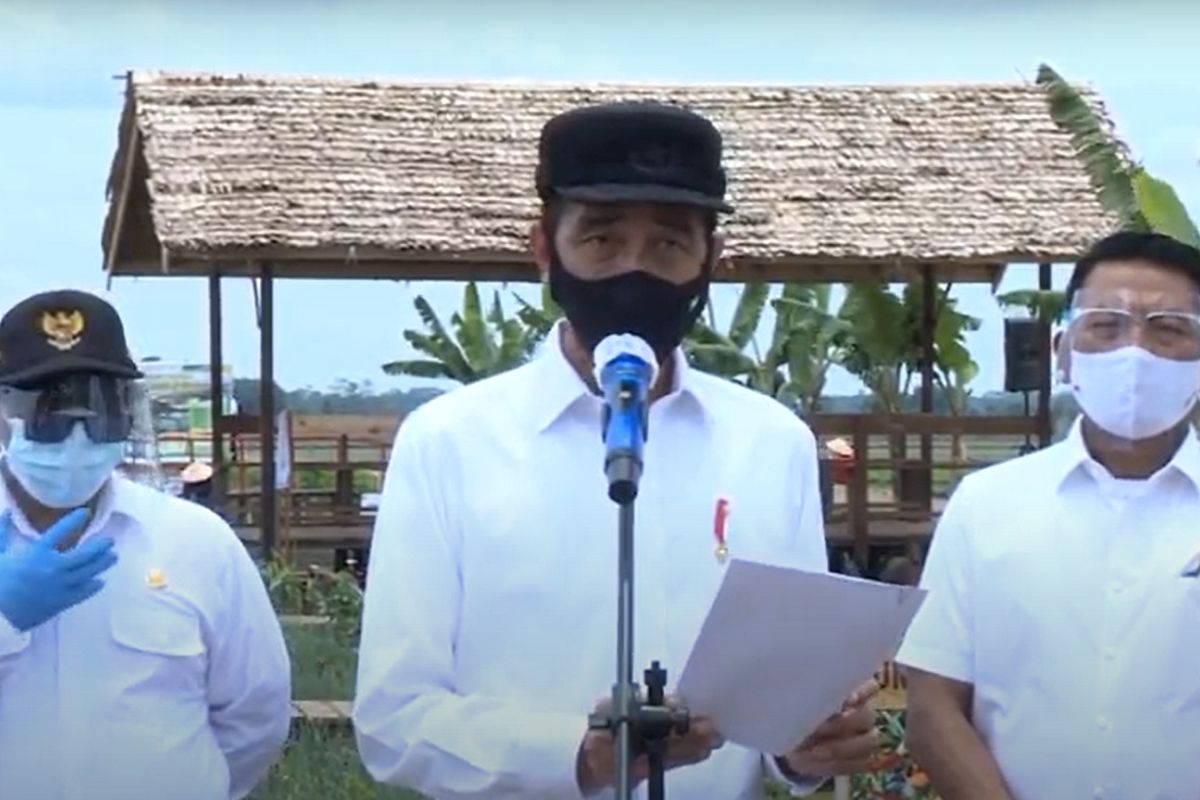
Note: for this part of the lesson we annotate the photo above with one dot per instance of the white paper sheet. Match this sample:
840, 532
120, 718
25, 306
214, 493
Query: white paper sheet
781, 649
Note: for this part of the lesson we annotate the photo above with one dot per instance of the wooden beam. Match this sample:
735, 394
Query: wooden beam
133, 139
216, 381
266, 406
501, 268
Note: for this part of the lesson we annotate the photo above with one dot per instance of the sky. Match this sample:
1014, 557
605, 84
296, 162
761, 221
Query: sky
60, 107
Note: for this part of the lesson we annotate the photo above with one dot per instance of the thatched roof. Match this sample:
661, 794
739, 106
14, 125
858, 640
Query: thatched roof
345, 178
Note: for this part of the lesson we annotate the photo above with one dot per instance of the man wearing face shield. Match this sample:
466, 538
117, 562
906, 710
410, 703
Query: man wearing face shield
488, 629
1055, 655
139, 653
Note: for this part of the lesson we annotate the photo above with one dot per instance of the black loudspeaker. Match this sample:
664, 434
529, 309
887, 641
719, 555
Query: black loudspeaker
1024, 340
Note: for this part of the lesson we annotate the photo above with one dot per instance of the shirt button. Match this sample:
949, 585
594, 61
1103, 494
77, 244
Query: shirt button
1110, 653
1103, 723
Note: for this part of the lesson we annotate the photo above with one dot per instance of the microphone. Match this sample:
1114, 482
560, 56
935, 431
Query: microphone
625, 371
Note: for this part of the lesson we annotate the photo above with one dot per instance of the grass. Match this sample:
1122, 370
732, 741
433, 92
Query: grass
326, 766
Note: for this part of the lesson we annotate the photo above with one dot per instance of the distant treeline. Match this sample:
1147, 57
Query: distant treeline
347, 397
344, 397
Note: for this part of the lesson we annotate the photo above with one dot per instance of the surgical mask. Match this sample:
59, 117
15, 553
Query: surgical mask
1133, 393
636, 302
64, 474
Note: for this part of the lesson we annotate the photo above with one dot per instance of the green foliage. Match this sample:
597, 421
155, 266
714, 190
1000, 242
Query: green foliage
876, 344
286, 586
319, 764
481, 345
1162, 208
1107, 166
1046, 305
539, 321
796, 361
1139, 200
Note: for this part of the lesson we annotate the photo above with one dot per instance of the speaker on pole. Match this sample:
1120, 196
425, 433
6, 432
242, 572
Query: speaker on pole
1024, 341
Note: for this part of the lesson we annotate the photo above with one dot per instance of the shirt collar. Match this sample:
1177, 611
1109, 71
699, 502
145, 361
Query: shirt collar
1075, 456
115, 499
559, 387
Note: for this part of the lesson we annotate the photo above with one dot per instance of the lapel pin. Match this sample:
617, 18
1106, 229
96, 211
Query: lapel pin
155, 579
720, 526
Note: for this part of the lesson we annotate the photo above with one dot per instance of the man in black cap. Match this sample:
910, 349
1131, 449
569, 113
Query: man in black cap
488, 631
139, 653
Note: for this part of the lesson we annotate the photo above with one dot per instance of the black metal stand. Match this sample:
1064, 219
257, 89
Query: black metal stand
640, 725
1028, 446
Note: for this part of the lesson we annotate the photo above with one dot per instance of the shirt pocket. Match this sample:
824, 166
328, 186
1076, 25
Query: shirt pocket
159, 648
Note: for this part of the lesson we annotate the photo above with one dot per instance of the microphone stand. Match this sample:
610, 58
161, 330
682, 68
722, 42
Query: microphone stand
641, 725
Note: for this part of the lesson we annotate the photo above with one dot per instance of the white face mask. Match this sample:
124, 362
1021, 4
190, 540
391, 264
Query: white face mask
65, 474
1132, 393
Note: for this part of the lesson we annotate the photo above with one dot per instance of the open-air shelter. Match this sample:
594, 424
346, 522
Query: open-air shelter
278, 177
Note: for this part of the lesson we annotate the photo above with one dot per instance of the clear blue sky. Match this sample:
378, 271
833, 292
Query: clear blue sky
59, 108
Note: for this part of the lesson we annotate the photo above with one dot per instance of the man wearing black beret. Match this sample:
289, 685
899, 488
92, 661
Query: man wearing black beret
488, 632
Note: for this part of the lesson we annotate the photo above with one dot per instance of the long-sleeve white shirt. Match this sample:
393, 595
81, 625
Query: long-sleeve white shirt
489, 630
173, 682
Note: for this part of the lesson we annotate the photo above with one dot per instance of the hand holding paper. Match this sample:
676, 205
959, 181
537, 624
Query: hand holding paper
781, 649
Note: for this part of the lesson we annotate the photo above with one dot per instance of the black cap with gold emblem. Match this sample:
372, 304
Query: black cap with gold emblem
629, 152
61, 332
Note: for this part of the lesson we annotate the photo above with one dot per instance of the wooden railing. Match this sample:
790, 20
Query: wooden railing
909, 499
891, 499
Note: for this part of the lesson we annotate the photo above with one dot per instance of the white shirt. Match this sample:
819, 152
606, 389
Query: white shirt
489, 628
180, 692
1055, 590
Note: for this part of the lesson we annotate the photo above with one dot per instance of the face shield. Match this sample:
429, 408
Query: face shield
1133, 360
49, 412
1103, 321
142, 463
64, 436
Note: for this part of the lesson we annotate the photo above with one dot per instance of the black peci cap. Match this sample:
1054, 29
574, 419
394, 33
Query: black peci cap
55, 333
632, 152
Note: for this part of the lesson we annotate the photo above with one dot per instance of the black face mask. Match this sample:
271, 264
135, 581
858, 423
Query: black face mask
656, 310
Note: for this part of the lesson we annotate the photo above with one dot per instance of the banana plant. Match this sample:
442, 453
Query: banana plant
954, 368
1045, 305
813, 330
539, 321
1124, 187
725, 354
481, 345
794, 365
875, 345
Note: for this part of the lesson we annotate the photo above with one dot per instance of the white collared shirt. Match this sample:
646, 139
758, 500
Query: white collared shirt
173, 682
489, 631
1055, 590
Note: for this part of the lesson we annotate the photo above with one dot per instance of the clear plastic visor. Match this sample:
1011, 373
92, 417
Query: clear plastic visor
50, 411
1101, 321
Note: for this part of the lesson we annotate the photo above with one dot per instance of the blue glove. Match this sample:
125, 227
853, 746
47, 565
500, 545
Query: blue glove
37, 583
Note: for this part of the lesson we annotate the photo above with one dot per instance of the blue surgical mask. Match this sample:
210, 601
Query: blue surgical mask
65, 474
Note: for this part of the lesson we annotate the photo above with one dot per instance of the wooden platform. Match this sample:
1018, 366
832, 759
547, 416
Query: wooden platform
329, 714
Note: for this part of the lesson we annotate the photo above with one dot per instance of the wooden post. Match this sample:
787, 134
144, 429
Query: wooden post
928, 330
266, 407
343, 498
1045, 432
858, 509
215, 376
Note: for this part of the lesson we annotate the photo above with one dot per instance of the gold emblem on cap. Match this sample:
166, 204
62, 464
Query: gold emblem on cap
156, 579
63, 329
